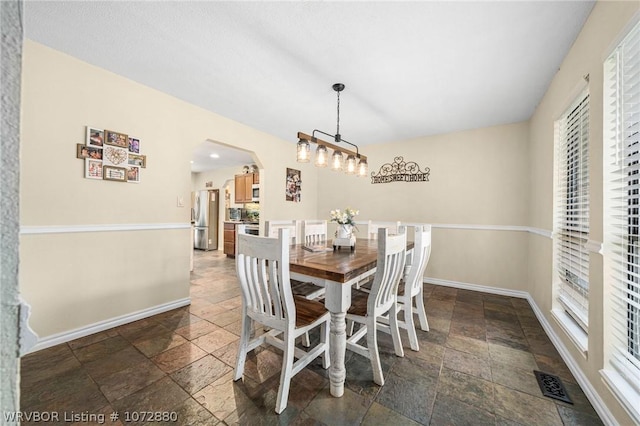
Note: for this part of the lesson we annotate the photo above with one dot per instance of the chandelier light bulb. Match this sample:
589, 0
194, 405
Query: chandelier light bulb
322, 156
337, 161
363, 168
351, 165
304, 151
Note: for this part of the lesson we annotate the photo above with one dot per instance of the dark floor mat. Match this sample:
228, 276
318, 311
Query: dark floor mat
552, 386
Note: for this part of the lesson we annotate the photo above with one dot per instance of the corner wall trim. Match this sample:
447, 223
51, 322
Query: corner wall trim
591, 394
67, 229
68, 336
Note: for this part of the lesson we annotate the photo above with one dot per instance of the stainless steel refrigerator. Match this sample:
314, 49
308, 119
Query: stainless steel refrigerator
206, 204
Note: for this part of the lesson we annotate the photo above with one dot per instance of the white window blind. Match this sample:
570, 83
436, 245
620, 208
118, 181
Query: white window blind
571, 228
622, 248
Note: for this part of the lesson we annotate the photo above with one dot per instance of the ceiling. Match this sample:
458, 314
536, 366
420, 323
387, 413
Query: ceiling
211, 156
411, 69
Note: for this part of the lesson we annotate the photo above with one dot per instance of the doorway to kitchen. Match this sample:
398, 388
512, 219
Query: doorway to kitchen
229, 175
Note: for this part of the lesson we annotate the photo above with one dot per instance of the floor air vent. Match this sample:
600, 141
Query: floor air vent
552, 386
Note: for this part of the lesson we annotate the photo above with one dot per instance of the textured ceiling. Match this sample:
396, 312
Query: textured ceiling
411, 69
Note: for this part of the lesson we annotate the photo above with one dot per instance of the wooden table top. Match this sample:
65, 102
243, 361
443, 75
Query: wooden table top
338, 265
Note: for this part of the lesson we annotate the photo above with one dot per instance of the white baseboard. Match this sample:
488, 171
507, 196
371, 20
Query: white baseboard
590, 392
68, 336
593, 396
477, 287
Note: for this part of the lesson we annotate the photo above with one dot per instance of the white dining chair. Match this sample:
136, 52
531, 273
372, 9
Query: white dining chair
305, 289
367, 308
374, 225
411, 286
272, 226
372, 233
262, 265
314, 232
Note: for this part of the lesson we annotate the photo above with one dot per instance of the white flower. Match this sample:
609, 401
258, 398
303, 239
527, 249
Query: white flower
345, 217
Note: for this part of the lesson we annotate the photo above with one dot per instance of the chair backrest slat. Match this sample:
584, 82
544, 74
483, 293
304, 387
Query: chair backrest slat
419, 259
262, 265
392, 251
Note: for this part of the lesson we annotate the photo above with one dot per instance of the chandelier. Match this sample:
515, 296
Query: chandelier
353, 164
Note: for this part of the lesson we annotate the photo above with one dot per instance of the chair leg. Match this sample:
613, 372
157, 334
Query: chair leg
411, 327
285, 375
395, 331
242, 346
422, 313
305, 340
324, 338
350, 327
372, 345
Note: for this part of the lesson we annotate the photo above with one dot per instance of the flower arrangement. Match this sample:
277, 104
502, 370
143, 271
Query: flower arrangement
345, 217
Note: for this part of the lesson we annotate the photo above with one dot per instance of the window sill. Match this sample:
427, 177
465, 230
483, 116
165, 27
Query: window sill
626, 394
577, 335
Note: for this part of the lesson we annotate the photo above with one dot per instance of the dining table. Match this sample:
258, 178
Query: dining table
337, 270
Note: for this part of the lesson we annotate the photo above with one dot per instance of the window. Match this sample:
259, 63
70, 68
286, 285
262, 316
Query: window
622, 212
571, 225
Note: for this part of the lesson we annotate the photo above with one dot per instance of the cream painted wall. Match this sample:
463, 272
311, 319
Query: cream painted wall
499, 176
75, 280
599, 35
478, 177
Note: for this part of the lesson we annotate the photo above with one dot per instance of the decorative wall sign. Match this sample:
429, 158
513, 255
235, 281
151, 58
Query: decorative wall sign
294, 185
111, 155
114, 156
400, 171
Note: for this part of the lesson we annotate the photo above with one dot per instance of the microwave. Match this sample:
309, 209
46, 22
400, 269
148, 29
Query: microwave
255, 193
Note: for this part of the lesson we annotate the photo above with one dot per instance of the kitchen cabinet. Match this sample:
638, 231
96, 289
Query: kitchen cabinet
230, 239
244, 187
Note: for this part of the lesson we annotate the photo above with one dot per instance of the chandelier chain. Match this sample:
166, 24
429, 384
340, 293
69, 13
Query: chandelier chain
338, 125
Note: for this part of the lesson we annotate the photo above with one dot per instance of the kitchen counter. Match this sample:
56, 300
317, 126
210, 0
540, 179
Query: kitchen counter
230, 234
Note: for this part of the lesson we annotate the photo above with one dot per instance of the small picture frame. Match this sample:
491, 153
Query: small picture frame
93, 169
114, 156
133, 174
138, 160
95, 137
84, 151
116, 139
118, 174
134, 145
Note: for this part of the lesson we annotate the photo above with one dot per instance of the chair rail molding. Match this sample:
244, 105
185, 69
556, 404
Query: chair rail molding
69, 229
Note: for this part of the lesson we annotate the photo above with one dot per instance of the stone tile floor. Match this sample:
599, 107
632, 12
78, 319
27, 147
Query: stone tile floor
475, 367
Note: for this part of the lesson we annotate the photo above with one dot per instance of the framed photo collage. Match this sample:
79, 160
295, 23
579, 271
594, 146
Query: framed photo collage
110, 155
